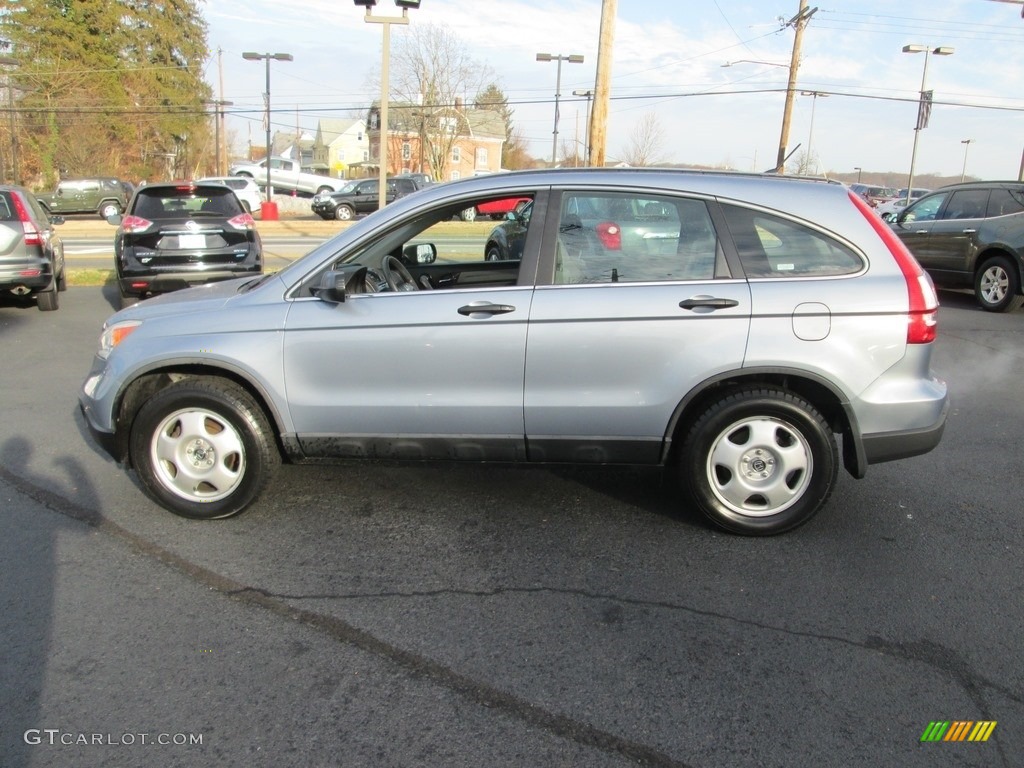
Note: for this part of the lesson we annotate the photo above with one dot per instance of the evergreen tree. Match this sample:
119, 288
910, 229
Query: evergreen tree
103, 87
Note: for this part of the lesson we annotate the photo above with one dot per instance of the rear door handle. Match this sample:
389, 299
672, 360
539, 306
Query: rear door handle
970, 231
485, 308
707, 301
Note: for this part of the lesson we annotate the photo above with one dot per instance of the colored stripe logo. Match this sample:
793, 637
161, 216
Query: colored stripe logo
958, 730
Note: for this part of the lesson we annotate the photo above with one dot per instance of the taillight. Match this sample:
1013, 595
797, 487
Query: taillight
242, 221
922, 320
135, 223
610, 235
32, 234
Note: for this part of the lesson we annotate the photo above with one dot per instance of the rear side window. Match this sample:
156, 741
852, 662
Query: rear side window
1003, 202
630, 238
6, 209
966, 204
770, 246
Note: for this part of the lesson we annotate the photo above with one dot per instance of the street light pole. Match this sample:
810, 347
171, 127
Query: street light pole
385, 86
572, 59
923, 108
810, 136
967, 145
859, 171
269, 210
586, 145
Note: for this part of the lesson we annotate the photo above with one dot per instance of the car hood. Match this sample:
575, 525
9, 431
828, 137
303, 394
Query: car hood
201, 298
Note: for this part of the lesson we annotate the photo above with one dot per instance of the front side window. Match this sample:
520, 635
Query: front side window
629, 238
423, 245
770, 246
925, 209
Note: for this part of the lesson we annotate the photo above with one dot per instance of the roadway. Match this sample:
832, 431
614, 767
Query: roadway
462, 616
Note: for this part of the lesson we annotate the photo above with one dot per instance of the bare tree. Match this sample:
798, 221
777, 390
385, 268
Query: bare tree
646, 146
804, 164
431, 77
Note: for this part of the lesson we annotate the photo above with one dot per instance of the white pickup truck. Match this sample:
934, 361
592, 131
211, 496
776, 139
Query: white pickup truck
287, 176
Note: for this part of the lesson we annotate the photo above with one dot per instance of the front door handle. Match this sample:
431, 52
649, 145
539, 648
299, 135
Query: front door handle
970, 231
485, 308
709, 302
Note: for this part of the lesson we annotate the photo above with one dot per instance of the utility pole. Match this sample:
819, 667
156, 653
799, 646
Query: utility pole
602, 86
798, 23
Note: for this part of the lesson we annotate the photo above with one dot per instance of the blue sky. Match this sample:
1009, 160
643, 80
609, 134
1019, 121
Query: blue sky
668, 60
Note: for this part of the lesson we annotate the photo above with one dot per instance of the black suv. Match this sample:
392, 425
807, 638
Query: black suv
179, 234
361, 196
971, 235
31, 253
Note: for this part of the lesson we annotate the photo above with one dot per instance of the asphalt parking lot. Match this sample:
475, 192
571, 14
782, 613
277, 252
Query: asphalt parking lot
436, 615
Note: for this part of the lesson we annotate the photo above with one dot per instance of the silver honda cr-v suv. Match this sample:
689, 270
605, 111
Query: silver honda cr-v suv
747, 333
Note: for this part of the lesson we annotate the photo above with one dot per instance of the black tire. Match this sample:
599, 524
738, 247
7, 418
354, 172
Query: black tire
127, 301
109, 208
62, 281
220, 431
469, 214
997, 285
325, 188
344, 213
759, 461
493, 252
48, 301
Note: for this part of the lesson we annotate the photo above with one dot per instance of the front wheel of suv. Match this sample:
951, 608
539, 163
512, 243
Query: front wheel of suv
759, 461
203, 448
997, 286
344, 213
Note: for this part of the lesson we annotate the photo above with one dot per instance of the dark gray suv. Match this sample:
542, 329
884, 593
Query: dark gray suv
971, 235
749, 334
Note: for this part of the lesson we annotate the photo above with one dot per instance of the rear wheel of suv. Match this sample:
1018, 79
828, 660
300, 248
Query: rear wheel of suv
759, 461
468, 215
109, 208
997, 285
48, 300
344, 213
203, 448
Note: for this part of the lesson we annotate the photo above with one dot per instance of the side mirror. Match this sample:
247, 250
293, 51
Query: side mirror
337, 284
419, 254
511, 216
115, 219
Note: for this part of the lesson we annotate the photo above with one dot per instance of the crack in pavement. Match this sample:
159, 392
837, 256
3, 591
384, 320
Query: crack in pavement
420, 666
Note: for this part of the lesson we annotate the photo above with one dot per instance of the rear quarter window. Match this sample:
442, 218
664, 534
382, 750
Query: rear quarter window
1004, 202
770, 246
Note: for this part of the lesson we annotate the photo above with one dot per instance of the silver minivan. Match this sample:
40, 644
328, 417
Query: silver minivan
747, 333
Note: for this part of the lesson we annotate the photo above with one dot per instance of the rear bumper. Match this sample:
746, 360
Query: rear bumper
889, 446
165, 282
34, 274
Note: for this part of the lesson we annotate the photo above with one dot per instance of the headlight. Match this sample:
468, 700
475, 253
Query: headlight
114, 334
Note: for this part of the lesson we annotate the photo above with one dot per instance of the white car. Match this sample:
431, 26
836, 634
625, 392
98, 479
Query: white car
893, 207
246, 189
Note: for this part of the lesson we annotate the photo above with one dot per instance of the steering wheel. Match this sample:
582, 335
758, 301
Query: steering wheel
397, 276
